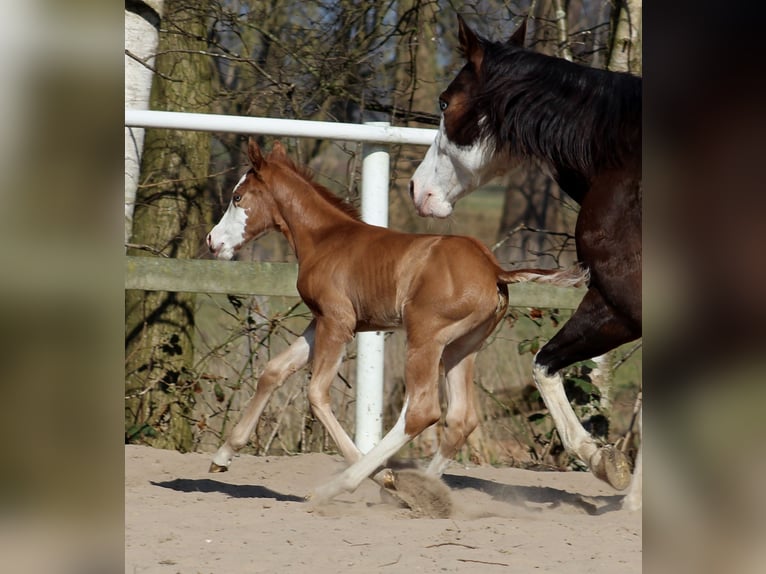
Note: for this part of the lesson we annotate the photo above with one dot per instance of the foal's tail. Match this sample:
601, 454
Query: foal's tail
574, 276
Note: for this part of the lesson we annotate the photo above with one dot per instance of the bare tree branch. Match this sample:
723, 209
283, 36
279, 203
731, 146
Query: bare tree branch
143, 62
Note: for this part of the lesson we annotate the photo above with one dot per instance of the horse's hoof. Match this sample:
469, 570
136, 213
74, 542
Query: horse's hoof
614, 468
217, 468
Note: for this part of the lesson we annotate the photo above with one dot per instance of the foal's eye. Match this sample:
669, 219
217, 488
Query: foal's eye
236, 198
442, 104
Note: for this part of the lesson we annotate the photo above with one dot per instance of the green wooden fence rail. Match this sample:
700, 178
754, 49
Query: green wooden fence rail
262, 278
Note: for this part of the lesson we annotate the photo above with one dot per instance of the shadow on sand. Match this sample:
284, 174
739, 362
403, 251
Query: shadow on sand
523, 495
518, 495
233, 490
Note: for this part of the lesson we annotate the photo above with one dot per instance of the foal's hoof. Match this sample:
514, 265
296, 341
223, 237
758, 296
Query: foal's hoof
425, 495
613, 467
388, 495
388, 479
217, 468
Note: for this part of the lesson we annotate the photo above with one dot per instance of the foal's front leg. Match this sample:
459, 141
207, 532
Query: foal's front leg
331, 340
295, 357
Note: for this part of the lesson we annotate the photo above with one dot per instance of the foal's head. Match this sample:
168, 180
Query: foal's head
252, 210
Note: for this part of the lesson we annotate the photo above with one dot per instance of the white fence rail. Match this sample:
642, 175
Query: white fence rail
369, 133
375, 176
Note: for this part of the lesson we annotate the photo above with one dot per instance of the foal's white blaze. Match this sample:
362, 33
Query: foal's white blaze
226, 237
448, 172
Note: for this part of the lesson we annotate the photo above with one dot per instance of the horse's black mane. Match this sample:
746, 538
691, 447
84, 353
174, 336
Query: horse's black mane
577, 118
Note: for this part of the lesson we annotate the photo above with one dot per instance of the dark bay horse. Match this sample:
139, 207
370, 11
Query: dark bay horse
447, 292
583, 126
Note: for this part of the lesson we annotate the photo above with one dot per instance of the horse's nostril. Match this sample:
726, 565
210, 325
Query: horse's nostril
412, 190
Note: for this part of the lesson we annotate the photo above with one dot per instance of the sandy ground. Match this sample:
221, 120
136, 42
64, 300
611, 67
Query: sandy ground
179, 518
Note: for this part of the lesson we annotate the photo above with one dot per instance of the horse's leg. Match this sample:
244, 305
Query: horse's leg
331, 341
421, 409
593, 329
296, 356
461, 418
632, 500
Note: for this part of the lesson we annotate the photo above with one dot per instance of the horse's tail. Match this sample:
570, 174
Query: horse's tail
574, 276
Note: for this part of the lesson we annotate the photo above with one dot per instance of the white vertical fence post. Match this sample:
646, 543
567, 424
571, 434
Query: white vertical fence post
370, 346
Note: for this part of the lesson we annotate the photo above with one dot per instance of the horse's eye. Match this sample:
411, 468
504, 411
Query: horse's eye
442, 104
237, 197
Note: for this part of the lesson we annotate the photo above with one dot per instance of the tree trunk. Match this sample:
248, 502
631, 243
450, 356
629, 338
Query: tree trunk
625, 54
171, 218
416, 88
142, 26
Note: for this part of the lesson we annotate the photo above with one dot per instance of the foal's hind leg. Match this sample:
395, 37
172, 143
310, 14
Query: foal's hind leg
592, 330
461, 418
276, 372
459, 359
421, 409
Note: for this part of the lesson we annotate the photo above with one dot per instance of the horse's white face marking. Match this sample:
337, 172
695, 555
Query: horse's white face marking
229, 235
448, 172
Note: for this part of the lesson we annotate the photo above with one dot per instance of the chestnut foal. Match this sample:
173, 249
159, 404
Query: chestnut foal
447, 292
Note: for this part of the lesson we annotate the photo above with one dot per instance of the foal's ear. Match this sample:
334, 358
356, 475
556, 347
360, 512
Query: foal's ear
519, 35
470, 46
254, 154
278, 151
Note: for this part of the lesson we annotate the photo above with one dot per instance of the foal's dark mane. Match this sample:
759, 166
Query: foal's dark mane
575, 117
338, 203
